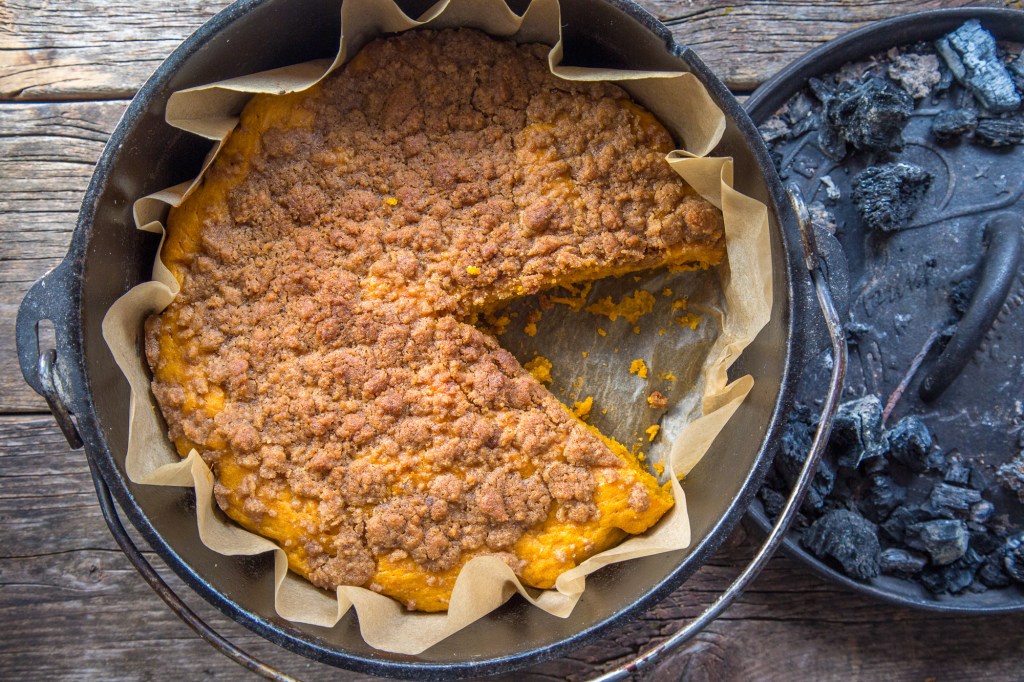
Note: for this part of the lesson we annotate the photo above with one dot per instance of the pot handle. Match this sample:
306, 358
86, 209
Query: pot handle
50, 298
814, 263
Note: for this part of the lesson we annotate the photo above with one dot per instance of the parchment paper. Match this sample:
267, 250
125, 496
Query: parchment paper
733, 301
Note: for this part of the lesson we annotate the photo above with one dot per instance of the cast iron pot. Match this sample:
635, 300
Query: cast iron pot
856, 46
108, 256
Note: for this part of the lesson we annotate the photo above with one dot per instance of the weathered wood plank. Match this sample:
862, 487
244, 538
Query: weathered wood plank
100, 49
73, 608
47, 153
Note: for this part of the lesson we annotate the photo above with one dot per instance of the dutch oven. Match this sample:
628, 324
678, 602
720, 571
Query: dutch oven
108, 256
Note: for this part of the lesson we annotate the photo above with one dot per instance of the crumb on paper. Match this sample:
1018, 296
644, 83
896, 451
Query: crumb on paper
577, 296
657, 400
532, 318
601, 332
666, 292
661, 331
582, 408
690, 320
652, 432
659, 468
473, 270
585, 353
679, 304
540, 368
668, 376
639, 368
630, 308
636, 330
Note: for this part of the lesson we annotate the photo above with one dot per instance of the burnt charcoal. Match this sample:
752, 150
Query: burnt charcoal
971, 54
848, 540
999, 132
887, 196
1011, 475
981, 512
991, 573
773, 502
1013, 557
796, 444
944, 540
910, 443
774, 129
951, 501
985, 542
895, 527
869, 115
900, 562
1016, 69
953, 123
883, 495
957, 471
954, 578
823, 90
857, 432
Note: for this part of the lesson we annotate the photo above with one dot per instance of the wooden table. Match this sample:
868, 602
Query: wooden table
70, 604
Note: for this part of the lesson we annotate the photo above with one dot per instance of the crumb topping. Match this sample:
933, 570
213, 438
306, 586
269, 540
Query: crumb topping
322, 357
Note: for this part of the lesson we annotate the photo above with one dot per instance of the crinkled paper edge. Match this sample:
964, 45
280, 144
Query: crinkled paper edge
485, 582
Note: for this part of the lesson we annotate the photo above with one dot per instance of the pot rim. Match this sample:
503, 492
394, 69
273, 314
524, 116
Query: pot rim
98, 450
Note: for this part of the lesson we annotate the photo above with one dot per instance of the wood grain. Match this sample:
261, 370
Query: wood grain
72, 607
47, 153
102, 49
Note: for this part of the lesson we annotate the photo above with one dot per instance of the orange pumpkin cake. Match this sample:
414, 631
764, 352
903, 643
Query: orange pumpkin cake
322, 355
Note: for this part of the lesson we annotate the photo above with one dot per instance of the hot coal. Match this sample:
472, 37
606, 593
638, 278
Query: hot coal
901, 562
1013, 557
1000, 132
954, 578
887, 196
944, 540
868, 115
848, 540
910, 444
972, 56
951, 501
1011, 475
953, 123
882, 497
857, 432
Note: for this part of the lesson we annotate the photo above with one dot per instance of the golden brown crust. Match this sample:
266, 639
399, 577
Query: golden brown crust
320, 355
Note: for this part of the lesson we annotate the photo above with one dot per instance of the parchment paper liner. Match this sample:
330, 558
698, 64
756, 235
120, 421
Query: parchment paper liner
680, 102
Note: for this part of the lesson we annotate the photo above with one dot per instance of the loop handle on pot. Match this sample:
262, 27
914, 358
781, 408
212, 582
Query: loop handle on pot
49, 299
815, 265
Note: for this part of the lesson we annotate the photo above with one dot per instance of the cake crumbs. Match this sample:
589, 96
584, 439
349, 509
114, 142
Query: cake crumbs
636, 330
639, 368
532, 318
690, 320
680, 304
661, 331
391, 201
657, 400
540, 368
601, 332
630, 308
577, 296
497, 324
473, 270
582, 408
666, 292
652, 432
